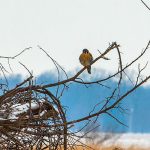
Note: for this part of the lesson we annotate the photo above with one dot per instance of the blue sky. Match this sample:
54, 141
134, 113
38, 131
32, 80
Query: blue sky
80, 100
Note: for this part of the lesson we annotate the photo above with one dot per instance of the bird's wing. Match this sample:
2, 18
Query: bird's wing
91, 57
81, 59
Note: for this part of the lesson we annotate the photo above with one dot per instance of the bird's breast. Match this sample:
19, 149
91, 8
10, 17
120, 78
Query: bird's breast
85, 59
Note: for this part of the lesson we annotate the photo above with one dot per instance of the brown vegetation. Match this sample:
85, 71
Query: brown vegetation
51, 128
99, 147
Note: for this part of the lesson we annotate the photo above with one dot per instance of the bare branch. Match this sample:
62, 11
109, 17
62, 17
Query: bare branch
41, 121
145, 5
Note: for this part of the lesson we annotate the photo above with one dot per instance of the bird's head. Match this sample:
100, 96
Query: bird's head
85, 51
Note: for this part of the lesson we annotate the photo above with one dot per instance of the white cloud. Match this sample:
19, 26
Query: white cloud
64, 28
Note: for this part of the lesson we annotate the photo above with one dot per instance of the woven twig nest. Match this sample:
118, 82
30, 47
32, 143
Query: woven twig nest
28, 118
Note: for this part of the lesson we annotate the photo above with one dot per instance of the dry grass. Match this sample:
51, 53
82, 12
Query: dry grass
97, 147
112, 148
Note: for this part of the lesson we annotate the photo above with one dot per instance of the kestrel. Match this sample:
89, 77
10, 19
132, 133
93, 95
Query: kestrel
85, 59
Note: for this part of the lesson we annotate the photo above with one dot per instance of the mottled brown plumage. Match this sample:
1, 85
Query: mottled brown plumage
85, 59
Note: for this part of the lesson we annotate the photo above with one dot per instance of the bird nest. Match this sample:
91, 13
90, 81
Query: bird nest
30, 117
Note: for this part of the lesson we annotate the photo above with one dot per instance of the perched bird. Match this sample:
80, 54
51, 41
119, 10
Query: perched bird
85, 59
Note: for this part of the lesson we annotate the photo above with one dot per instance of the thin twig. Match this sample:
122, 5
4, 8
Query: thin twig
145, 5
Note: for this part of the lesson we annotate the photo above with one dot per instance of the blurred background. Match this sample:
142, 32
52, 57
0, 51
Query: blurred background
63, 29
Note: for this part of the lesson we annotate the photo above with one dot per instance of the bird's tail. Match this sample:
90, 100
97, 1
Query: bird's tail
89, 69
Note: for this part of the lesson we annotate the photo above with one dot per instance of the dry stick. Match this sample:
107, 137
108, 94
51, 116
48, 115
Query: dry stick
17, 54
116, 119
96, 114
139, 72
145, 5
80, 137
22, 83
111, 47
108, 99
121, 70
101, 56
120, 64
54, 61
82, 144
3, 71
63, 116
98, 81
11, 137
9, 64
56, 65
65, 128
85, 83
128, 78
104, 110
15, 90
113, 105
26, 68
